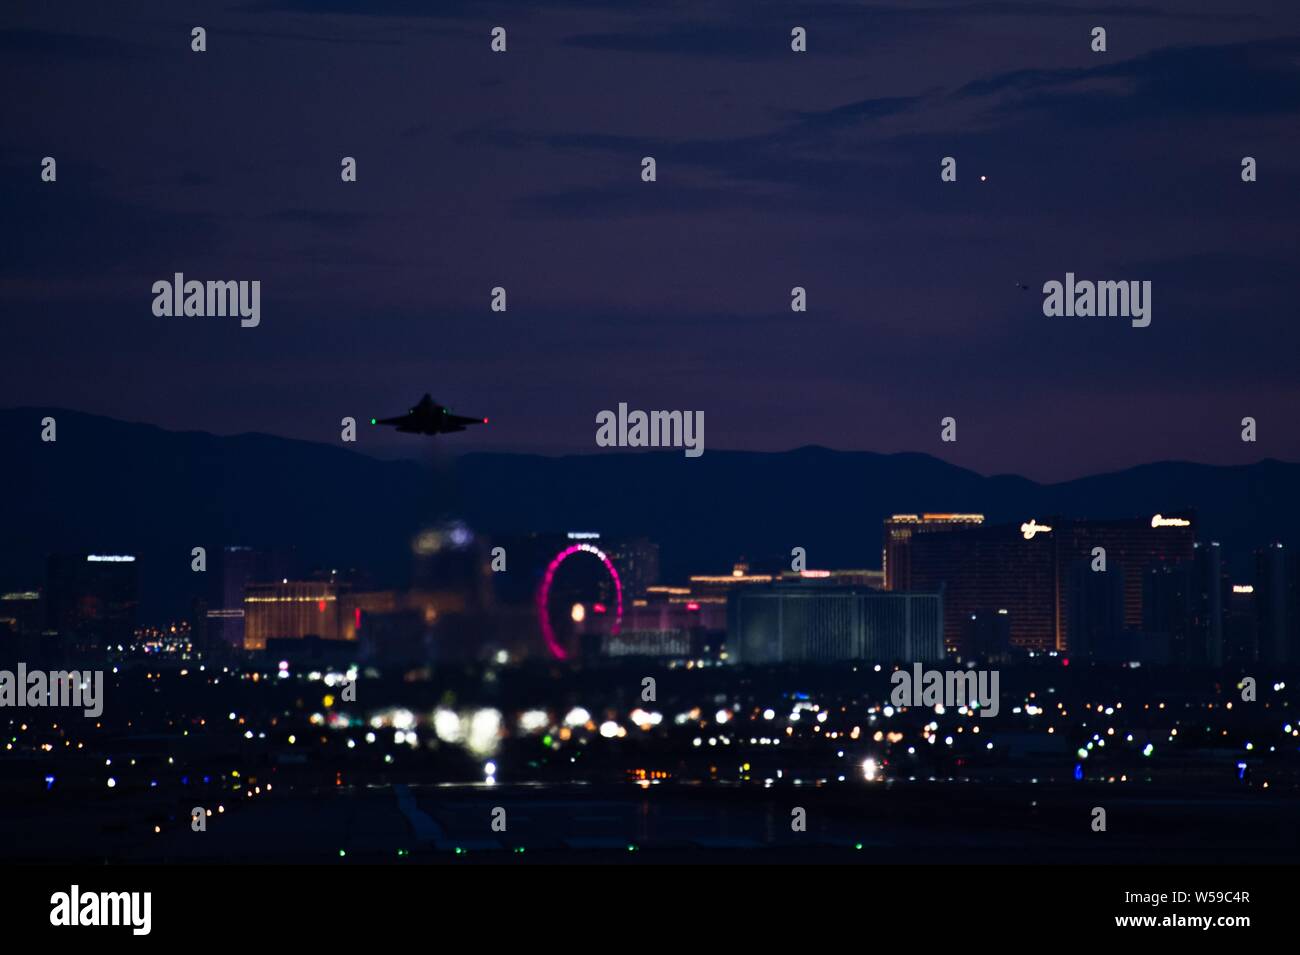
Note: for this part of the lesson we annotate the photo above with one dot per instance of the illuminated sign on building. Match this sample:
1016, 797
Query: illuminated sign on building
1032, 527
1161, 521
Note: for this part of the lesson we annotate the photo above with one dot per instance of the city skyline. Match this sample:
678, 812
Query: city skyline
1153, 589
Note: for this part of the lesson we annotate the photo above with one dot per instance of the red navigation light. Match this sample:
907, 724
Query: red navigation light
485, 421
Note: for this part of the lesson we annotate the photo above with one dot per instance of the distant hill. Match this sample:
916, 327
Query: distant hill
114, 486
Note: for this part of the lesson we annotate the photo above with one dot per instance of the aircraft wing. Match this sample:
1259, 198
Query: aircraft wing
460, 421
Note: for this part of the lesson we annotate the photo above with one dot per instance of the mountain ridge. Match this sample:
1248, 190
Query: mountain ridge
116, 485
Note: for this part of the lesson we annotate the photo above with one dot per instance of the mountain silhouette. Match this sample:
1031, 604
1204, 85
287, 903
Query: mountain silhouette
112, 486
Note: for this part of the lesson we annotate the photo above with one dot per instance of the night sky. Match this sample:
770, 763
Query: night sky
775, 169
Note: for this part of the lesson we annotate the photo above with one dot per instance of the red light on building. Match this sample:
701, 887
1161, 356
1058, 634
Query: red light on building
692, 606
598, 608
320, 605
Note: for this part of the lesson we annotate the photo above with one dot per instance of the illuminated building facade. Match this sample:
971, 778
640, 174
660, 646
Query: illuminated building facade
1033, 571
22, 613
797, 623
988, 570
705, 586
291, 609
700, 605
674, 613
675, 643
843, 577
669, 625
899, 531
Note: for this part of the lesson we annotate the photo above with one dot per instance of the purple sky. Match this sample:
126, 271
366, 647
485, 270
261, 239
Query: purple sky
775, 169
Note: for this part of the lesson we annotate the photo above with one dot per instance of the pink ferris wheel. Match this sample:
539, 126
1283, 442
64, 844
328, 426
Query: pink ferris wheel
544, 593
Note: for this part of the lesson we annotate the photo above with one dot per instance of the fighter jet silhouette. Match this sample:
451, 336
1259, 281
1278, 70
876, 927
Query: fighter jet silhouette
429, 417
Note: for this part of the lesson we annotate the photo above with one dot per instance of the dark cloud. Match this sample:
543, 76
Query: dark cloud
319, 219
415, 9
71, 229
1239, 80
67, 46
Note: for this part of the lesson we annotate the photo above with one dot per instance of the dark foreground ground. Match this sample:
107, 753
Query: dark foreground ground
1193, 774
883, 823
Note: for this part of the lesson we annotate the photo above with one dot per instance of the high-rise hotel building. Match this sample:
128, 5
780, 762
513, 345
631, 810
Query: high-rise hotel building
1030, 571
899, 531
